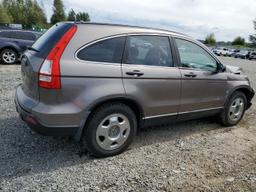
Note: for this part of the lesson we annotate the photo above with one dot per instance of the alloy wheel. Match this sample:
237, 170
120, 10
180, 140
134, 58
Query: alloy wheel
113, 131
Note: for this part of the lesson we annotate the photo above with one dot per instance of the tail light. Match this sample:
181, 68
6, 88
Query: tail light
49, 74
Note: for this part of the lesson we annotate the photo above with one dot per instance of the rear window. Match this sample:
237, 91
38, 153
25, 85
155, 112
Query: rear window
109, 51
47, 41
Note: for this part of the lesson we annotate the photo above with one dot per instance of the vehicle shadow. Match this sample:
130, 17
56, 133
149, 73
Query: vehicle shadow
175, 131
23, 152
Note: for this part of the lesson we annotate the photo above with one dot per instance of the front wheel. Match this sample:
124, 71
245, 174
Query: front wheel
110, 130
8, 56
234, 109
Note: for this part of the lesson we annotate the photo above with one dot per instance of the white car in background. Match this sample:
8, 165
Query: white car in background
222, 51
231, 52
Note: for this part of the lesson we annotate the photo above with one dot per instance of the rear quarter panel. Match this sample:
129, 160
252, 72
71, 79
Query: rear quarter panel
83, 83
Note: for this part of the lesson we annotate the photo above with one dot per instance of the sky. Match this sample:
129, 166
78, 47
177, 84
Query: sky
227, 19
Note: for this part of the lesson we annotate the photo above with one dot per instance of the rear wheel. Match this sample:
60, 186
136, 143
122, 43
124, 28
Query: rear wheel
110, 130
8, 56
234, 109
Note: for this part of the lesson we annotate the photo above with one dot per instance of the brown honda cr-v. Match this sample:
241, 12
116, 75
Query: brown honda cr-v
100, 83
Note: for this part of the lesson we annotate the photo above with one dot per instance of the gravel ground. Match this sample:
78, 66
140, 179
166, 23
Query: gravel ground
198, 155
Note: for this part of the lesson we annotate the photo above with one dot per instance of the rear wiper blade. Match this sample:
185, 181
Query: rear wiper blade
33, 49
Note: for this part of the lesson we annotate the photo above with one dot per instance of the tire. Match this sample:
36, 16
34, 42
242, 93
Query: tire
110, 130
231, 114
8, 56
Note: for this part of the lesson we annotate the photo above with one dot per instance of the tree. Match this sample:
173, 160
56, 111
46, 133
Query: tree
71, 15
210, 39
253, 37
82, 16
26, 12
34, 13
58, 12
16, 8
4, 16
239, 41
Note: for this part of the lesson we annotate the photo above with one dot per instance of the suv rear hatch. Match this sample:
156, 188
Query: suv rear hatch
36, 55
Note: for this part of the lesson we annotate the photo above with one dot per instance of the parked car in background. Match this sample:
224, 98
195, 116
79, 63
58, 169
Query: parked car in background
217, 51
236, 51
103, 86
230, 52
214, 50
243, 54
14, 42
252, 55
221, 51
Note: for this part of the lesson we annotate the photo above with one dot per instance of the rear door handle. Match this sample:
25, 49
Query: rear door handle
135, 73
190, 75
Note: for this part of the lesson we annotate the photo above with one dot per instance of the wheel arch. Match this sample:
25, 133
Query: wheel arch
10, 47
130, 102
133, 104
248, 91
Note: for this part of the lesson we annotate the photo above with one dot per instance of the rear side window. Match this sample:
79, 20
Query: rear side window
25, 36
48, 40
148, 50
8, 34
109, 50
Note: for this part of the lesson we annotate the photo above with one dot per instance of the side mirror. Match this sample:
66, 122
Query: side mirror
221, 67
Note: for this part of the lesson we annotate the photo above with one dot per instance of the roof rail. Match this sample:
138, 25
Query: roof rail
133, 26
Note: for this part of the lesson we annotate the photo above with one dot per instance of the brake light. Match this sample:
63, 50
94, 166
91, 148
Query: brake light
49, 74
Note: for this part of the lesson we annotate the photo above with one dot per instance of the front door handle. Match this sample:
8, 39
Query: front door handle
135, 73
190, 75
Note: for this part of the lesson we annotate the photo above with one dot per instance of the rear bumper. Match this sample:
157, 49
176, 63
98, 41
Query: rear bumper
32, 121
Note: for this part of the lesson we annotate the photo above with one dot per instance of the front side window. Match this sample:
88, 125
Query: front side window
193, 56
109, 50
148, 50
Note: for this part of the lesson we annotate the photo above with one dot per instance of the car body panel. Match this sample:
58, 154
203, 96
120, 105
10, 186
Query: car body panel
160, 92
213, 86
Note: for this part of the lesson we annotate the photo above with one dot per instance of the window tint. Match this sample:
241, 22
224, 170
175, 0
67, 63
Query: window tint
193, 56
8, 34
109, 50
2, 34
18, 35
148, 50
47, 41
25, 36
